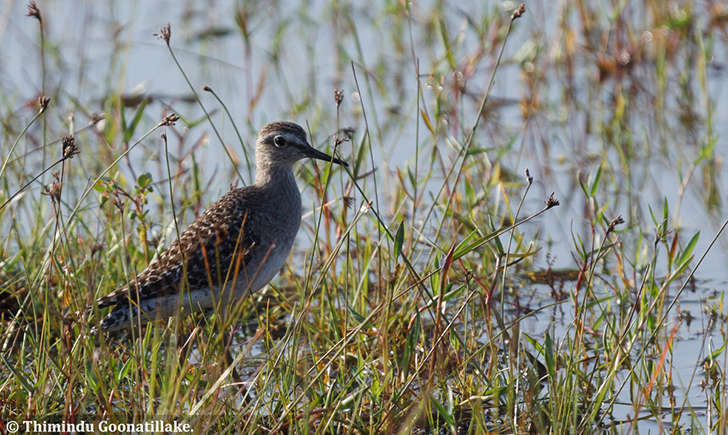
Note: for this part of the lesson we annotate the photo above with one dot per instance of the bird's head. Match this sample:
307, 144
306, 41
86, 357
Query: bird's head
284, 143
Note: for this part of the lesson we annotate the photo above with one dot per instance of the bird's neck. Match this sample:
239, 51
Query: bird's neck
279, 183
269, 174
283, 199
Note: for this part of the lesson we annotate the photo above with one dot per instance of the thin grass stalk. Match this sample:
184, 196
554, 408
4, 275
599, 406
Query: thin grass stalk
237, 132
165, 34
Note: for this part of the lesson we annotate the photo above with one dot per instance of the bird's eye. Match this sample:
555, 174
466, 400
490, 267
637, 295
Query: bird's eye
279, 141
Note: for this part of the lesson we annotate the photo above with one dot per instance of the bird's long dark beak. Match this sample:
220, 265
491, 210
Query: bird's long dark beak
316, 154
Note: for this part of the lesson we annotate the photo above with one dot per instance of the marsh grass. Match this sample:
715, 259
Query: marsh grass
409, 301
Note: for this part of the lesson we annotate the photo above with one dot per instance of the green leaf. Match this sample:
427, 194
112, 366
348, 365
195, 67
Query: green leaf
25, 382
427, 122
358, 317
398, 240
444, 412
435, 277
716, 353
464, 244
144, 180
446, 43
548, 355
652, 215
688, 251
128, 129
595, 183
411, 176
679, 269
121, 374
409, 348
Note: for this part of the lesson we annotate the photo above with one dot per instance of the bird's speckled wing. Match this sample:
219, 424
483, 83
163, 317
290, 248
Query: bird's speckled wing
208, 247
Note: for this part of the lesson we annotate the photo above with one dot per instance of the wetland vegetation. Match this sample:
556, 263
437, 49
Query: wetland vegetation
528, 237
